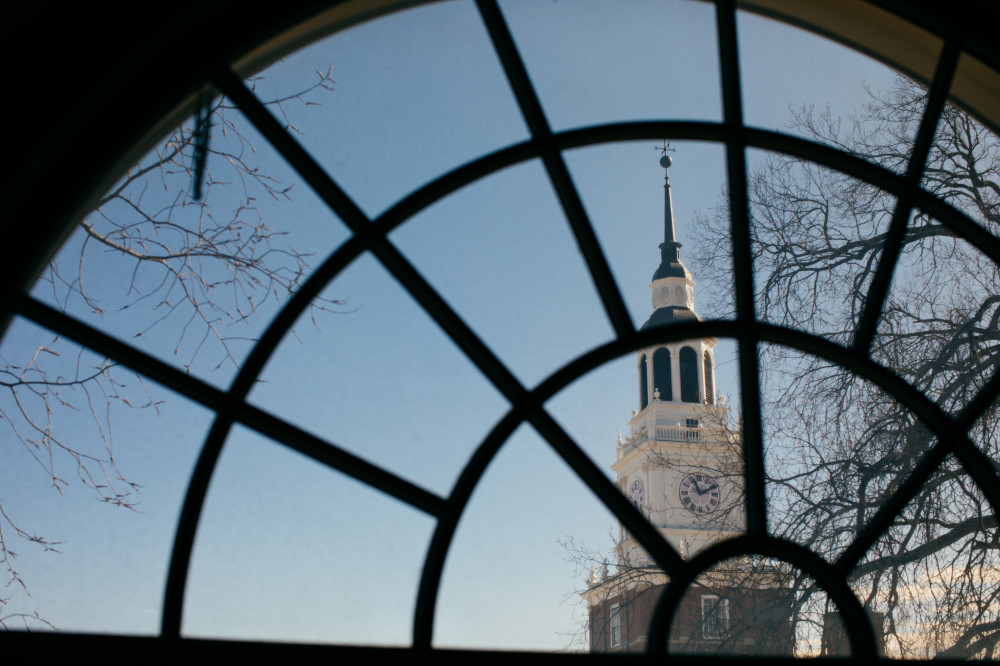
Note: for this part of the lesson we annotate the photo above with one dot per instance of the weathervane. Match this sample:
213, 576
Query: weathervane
665, 161
665, 148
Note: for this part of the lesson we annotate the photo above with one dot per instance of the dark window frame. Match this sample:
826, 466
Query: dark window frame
747, 330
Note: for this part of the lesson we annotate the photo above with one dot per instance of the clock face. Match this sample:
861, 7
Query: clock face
700, 493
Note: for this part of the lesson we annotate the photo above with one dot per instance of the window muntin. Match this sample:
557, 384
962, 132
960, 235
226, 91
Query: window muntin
509, 224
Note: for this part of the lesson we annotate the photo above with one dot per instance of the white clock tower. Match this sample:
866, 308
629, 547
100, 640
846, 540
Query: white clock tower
680, 462
681, 465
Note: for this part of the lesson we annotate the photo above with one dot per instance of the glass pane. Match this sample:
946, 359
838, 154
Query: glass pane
963, 168
289, 550
679, 462
932, 577
383, 382
417, 93
817, 238
502, 254
514, 573
595, 62
939, 324
195, 282
837, 449
798, 82
96, 462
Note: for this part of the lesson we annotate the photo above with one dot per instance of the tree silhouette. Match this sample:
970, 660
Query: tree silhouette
836, 446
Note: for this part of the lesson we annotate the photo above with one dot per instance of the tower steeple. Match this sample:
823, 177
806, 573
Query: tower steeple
673, 288
678, 466
679, 418
670, 260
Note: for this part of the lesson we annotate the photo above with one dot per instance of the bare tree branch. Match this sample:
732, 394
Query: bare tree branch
193, 270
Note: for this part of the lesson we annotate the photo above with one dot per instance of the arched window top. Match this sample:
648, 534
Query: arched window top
370, 221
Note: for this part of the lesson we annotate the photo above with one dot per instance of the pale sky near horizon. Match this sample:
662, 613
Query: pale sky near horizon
288, 550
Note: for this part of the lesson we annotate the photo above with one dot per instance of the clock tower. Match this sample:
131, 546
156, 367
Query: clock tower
681, 466
680, 461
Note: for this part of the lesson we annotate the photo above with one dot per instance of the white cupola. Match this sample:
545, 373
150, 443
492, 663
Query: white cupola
681, 372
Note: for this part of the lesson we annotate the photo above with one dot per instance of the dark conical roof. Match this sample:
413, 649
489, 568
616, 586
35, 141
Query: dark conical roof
669, 315
670, 262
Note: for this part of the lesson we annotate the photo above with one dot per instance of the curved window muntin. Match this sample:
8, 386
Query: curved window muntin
337, 261
449, 511
528, 405
288, 436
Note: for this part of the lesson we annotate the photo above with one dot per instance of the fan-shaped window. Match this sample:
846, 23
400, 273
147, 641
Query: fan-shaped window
431, 189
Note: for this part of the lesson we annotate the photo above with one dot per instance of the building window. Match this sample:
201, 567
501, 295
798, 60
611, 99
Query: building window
714, 616
692, 423
615, 625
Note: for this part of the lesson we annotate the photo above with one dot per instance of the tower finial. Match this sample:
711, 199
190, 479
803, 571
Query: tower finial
665, 160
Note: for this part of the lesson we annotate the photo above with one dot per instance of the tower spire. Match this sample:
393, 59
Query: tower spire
669, 234
670, 259
673, 298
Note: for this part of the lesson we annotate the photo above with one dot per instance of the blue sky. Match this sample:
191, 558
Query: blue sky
289, 550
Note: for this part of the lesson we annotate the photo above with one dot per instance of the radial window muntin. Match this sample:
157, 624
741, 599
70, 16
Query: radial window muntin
528, 405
